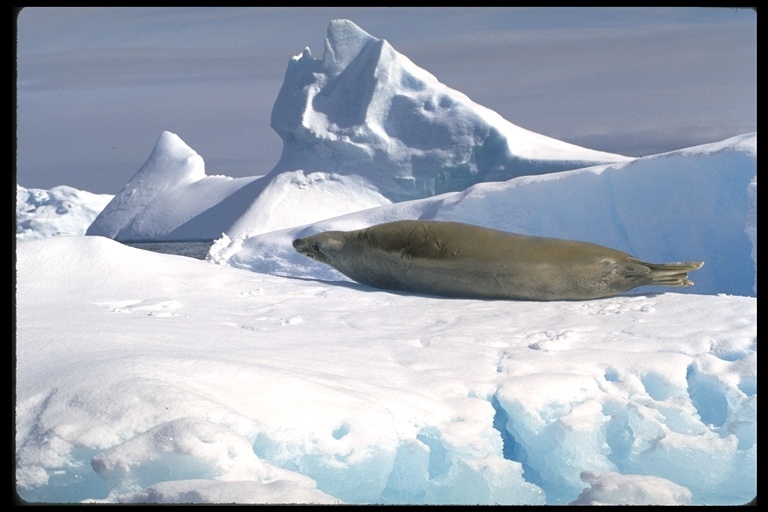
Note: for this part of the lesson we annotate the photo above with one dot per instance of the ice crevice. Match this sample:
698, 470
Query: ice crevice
633, 428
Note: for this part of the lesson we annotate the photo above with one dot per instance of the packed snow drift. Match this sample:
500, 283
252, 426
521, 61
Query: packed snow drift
259, 376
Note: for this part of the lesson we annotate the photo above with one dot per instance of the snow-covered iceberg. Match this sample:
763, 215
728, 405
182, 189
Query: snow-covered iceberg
364, 118
172, 198
365, 109
60, 211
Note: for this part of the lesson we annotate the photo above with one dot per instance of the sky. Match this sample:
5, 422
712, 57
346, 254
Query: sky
97, 86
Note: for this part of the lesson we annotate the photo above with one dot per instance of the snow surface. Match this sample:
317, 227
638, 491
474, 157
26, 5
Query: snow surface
153, 377
267, 378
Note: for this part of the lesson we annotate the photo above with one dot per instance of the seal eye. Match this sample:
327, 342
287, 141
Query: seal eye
316, 246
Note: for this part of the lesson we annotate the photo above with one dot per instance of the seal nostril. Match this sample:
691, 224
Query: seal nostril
297, 243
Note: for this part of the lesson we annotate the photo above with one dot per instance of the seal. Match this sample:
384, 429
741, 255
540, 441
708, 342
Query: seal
454, 259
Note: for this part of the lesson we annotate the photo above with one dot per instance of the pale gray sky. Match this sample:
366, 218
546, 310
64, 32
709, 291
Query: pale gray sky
97, 86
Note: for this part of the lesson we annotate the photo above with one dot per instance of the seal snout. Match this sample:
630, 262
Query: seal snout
301, 247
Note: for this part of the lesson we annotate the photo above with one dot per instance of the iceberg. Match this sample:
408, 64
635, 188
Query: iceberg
365, 117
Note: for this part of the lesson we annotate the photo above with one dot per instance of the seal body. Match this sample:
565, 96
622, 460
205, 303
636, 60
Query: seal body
461, 260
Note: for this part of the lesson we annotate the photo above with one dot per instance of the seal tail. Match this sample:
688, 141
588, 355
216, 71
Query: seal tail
667, 274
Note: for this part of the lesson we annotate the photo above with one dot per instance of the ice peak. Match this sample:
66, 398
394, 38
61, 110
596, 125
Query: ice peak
343, 43
173, 159
367, 110
170, 146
